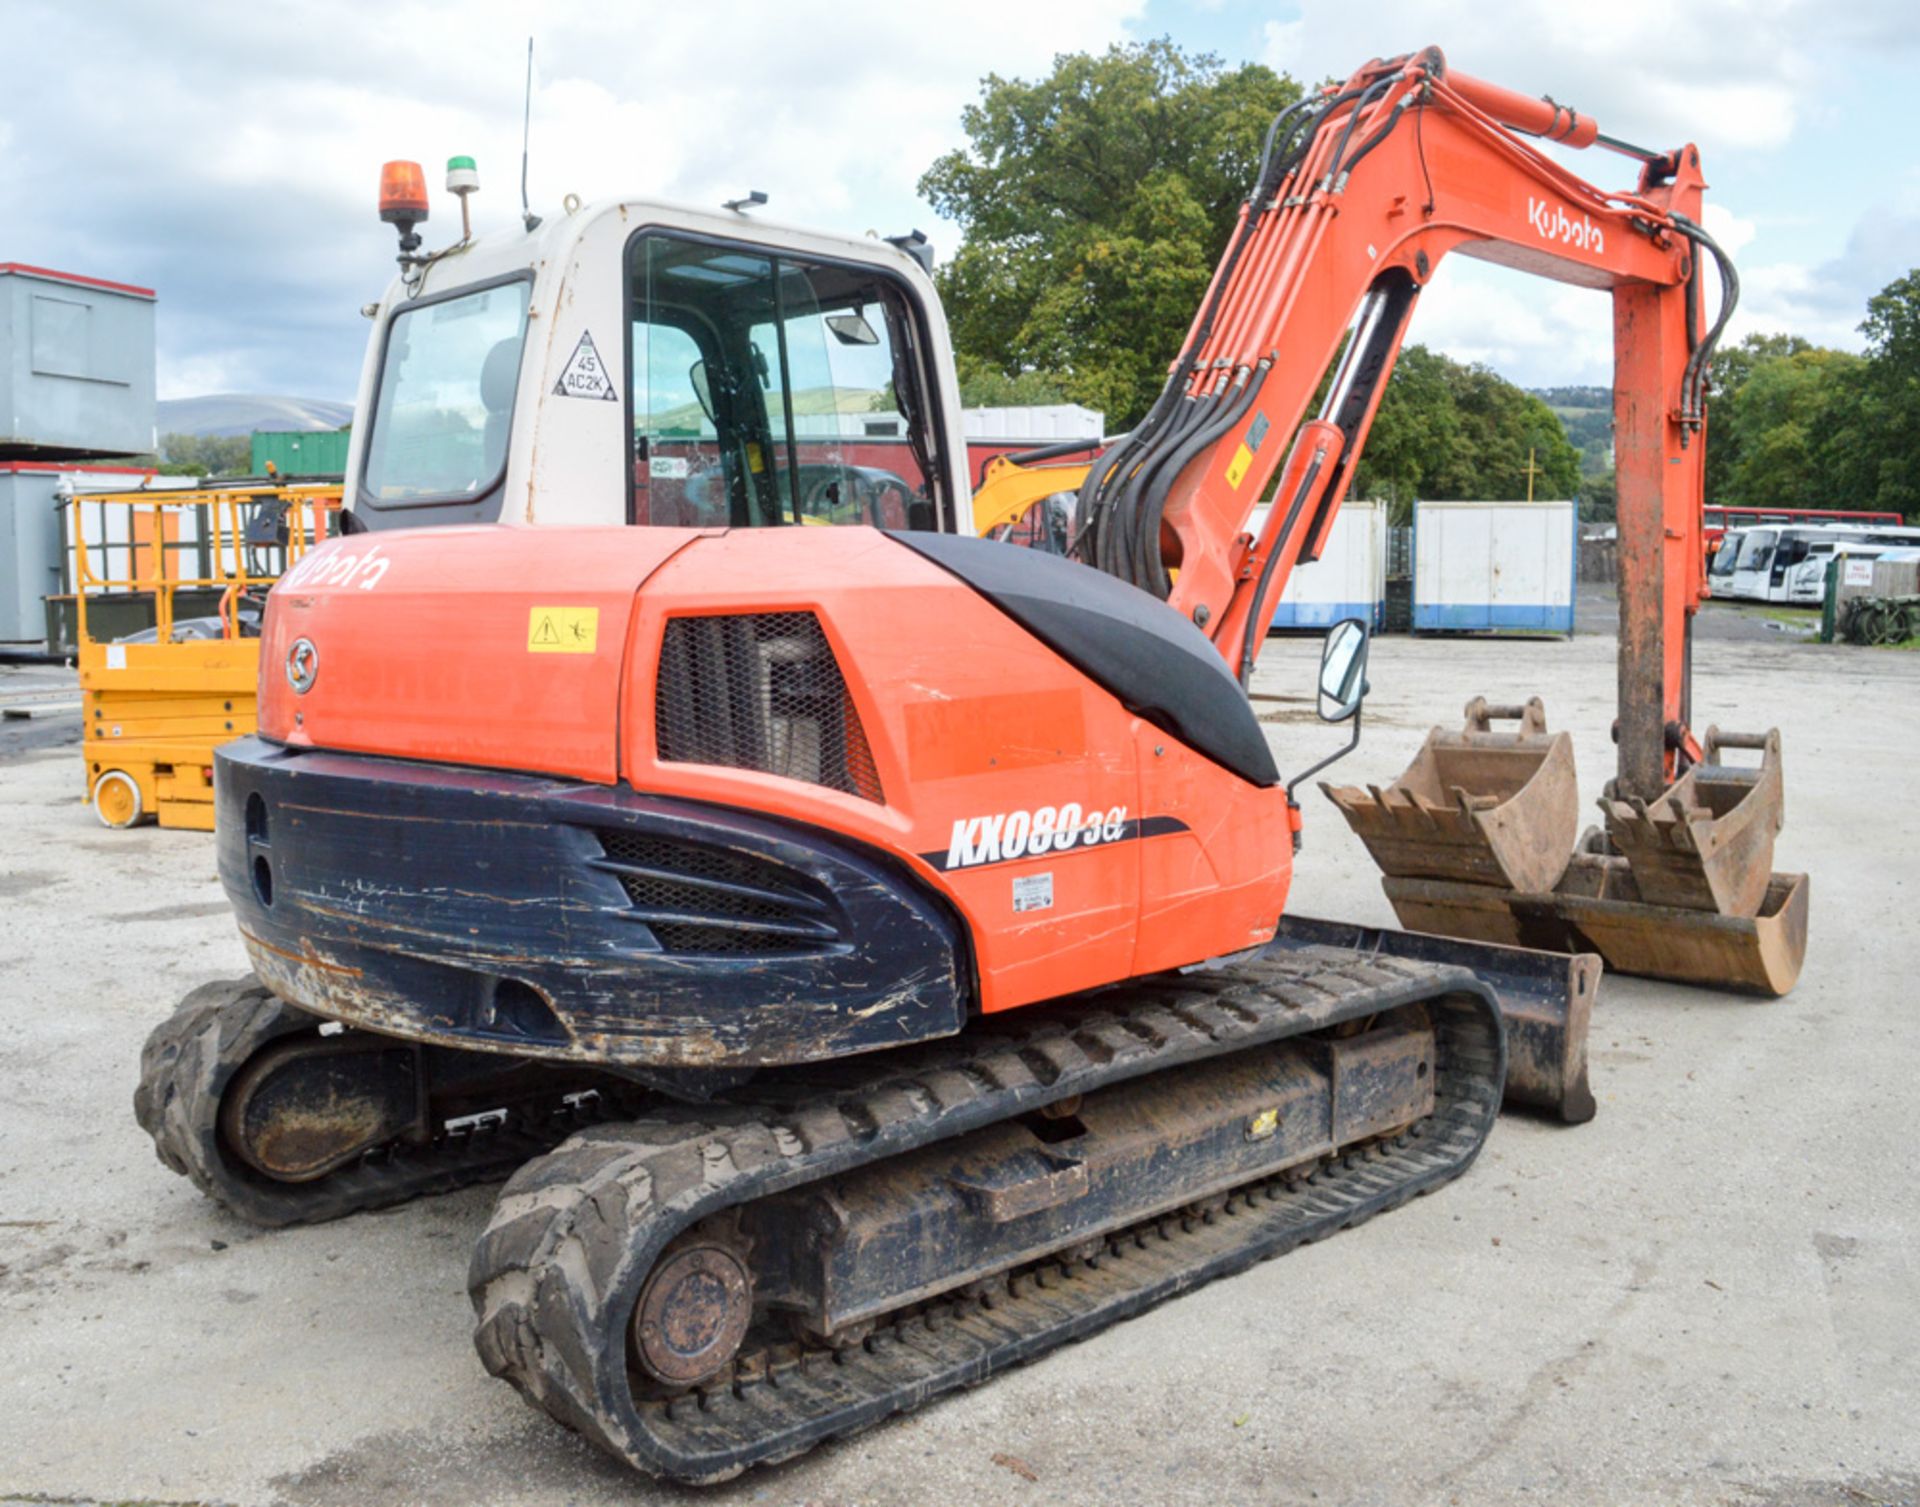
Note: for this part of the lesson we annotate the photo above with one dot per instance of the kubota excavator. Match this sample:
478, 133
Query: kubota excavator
894, 915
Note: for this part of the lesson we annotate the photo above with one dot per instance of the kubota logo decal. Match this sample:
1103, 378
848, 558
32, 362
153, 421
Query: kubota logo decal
1007, 835
338, 567
1551, 222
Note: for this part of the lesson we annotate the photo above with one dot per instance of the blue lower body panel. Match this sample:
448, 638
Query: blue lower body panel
580, 922
1487, 617
1325, 614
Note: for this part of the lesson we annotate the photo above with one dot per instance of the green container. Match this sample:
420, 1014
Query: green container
320, 452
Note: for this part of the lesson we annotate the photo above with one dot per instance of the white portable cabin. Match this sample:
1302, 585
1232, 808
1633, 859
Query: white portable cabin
35, 551
1489, 567
1348, 580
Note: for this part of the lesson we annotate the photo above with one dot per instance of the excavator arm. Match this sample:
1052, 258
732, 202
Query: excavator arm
1362, 189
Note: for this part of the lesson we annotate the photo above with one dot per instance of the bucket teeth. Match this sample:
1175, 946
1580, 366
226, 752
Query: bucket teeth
1707, 843
1476, 806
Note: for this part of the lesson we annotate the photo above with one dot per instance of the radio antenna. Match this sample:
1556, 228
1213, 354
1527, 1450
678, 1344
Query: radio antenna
531, 219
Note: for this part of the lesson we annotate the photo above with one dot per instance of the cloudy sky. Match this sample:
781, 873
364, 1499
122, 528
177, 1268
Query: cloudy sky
227, 154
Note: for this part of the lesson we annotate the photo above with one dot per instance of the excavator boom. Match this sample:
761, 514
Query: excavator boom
1362, 190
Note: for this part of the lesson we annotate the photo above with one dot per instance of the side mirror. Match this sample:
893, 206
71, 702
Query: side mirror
703, 390
1343, 670
852, 329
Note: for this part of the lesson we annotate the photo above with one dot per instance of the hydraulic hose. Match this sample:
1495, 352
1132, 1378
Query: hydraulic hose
1154, 576
1693, 382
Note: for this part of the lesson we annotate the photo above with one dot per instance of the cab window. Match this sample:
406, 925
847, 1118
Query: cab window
445, 401
774, 390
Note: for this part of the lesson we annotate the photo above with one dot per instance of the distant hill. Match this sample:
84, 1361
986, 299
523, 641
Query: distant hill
808, 402
1587, 413
224, 414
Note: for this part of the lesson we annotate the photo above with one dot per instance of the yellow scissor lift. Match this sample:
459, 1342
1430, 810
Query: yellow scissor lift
158, 702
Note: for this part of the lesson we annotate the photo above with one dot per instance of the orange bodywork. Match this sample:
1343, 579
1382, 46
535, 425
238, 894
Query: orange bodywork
423, 642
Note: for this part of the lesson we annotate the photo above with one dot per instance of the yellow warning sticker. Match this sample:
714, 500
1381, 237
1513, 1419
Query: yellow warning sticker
563, 630
754, 462
1263, 1124
1237, 467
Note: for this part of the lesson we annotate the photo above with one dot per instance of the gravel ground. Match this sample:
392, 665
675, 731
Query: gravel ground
1709, 1295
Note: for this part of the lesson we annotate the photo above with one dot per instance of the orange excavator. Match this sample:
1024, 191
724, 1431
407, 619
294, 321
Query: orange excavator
868, 943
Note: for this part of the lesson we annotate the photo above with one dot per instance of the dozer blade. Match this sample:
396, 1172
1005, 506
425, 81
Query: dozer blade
1546, 999
1476, 806
1707, 844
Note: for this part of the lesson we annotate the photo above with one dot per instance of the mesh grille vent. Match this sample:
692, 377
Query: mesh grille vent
676, 889
760, 691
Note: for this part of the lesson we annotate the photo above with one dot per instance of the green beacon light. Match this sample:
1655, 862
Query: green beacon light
463, 178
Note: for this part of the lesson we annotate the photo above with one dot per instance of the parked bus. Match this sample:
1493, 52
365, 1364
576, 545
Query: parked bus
1753, 563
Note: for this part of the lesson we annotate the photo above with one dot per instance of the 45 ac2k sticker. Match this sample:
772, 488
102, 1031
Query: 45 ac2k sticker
1005, 836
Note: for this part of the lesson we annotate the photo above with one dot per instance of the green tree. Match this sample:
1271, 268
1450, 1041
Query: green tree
1732, 365
1599, 497
1095, 203
1505, 430
984, 385
1464, 432
1878, 438
1784, 426
1415, 431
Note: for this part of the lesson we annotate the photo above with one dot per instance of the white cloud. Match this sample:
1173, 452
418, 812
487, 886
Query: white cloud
1536, 333
1733, 76
1718, 72
232, 161
1825, 302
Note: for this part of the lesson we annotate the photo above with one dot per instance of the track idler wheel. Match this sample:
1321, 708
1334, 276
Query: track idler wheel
283, 1120
305, 1106
693, 1313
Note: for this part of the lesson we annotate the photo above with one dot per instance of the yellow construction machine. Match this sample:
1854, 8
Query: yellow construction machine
159, 699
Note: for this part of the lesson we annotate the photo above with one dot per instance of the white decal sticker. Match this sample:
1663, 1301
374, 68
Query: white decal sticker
1008, 835
116, 659
1551, 222
1032, 892
335, 566
586, 375
669, 468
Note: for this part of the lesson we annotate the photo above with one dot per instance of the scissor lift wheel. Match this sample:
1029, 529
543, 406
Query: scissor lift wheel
116, 799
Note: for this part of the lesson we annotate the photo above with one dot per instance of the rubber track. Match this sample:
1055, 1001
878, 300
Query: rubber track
191, 1057
556, 1273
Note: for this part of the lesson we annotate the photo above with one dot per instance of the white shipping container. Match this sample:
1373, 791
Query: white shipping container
1348, 580
1494, 566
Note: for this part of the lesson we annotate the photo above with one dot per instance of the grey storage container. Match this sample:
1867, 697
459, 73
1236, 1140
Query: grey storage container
76, 366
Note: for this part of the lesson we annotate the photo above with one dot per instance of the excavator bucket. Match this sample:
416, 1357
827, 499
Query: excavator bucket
1677, 888
1707, 844
1475, 807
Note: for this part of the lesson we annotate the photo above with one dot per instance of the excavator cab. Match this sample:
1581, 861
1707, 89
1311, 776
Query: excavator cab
665, 366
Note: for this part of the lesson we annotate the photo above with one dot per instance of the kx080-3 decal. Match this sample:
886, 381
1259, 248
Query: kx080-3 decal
1008, 835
